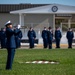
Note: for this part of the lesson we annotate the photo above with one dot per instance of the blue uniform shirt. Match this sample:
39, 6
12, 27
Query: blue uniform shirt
50, 35
31, 34
44, 34
18, 37
58, 34
70, 35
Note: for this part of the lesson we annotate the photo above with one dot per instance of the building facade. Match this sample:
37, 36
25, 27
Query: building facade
38, 16
5, 10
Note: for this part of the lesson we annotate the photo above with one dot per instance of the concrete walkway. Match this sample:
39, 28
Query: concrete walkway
40, 46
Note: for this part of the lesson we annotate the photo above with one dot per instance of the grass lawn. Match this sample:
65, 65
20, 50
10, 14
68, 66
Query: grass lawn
66, 58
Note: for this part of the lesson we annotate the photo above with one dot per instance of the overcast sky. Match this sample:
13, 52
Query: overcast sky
65, 2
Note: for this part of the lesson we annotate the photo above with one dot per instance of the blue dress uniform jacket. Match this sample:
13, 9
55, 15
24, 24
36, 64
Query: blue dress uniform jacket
3, 39
10, 34
57, 38
70, 36
31, 35
45, 38
11, 45
50, 38
18, 37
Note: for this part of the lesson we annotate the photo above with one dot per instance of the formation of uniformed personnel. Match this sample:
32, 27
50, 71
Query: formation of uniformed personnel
3, 38
70, 36
31, 35
50, 37
10, 44
58, 37
18, 36
45, 37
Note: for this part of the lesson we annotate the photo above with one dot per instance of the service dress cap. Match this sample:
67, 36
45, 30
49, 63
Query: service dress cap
8, 23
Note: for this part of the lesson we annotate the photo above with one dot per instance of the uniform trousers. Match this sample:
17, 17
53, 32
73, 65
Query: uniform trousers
31, 41
57, 43
45, 43
70, 43
10, 57
50, 44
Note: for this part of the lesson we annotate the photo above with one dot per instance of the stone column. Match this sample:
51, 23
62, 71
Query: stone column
21, 22
61, 27
69, 23
54, 22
